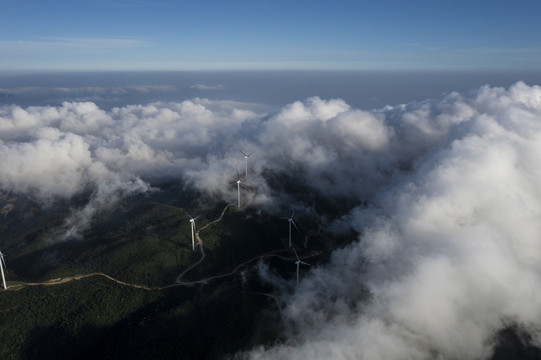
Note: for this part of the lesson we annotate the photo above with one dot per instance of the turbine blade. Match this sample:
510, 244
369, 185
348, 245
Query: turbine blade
197, 217
305, 263
187, 214
297, 274
244, 153
295, 251
295, 225
249, 154
245, 186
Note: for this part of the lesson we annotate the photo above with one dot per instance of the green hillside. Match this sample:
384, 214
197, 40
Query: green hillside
124, 300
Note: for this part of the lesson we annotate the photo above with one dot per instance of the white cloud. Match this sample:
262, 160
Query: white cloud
449, 246
451, 255
207, 87
48, 167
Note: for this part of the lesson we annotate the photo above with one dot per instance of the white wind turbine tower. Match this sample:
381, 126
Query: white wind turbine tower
2, 266
246, 161
238, 189
291, 222
239, 184
192, 225
298, 263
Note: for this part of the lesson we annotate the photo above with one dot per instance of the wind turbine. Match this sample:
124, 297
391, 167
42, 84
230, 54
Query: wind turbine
239, 184
192, 225
246, 160
298, 263
2, 266
291, 222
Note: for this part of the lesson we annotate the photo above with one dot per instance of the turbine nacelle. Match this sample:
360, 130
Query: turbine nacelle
298, 263
246, 156
192, 226
291, 221
239, 184
246, 161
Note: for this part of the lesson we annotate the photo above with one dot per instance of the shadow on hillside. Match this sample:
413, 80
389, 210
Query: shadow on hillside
213, 322
56, 342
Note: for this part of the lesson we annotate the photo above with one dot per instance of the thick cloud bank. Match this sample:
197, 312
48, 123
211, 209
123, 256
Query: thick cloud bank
449, 255
444, 193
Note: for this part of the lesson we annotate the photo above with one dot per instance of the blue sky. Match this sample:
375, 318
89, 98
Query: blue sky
270, 34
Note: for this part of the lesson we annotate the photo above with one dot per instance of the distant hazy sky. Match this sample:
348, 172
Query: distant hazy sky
269, 34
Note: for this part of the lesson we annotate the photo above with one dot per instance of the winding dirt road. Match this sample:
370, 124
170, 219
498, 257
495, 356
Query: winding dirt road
178, 281
59, 281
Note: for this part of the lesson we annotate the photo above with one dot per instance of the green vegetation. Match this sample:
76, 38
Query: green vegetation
144, 241
97, 318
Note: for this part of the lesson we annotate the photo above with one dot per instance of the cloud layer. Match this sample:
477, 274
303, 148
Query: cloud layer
449, 254
444, 194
